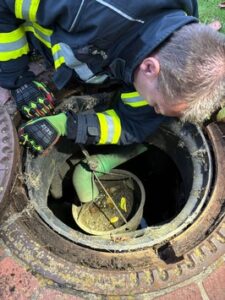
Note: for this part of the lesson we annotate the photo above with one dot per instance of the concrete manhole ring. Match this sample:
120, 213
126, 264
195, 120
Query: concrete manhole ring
88, 270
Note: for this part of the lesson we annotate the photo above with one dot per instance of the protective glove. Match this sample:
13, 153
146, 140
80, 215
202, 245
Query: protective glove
34, 100
220, 117
42, 133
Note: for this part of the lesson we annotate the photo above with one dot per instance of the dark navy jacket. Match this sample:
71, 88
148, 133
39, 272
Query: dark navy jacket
109, 37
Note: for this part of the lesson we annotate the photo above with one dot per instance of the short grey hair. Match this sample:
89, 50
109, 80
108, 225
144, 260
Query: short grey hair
192, 68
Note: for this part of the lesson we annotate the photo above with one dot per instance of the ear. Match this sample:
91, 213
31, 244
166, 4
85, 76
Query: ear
150, 67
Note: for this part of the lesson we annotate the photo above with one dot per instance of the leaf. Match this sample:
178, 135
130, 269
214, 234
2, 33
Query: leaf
123, 204
114, 220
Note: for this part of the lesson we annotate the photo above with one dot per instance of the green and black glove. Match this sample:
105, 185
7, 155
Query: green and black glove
42, 133
34, 100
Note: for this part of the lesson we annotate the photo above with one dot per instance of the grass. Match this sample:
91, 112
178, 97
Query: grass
209, 11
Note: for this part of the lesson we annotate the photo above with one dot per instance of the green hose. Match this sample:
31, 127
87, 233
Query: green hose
83, 181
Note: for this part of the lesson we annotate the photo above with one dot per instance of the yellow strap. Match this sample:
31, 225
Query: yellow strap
125, 97
19, 9
36, 29
26, 9
58, 62
5, 56
129, 95
137, 104
58, 58
117, 125
103, 129
13, 36
33, 10
32, 29
56, 48
45, 31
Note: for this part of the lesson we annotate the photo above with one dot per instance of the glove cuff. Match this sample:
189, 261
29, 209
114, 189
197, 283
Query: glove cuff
83, 128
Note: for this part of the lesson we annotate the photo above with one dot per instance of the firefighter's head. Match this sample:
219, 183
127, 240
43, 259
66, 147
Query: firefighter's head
185, 77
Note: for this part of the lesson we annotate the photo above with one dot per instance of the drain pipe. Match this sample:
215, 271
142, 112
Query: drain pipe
83, 181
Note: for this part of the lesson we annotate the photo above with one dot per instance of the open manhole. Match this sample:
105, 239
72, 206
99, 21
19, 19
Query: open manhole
176, 171
181, 171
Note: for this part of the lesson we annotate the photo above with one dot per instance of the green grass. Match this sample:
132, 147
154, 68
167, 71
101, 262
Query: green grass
209, 11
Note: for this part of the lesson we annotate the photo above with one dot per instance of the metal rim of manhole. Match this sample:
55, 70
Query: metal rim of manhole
106, 273
8, 156
185, 144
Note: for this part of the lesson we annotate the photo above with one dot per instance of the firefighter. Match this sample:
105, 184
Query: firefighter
170, 65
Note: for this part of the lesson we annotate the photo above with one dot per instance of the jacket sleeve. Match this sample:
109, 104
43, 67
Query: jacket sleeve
126, 124
122, 125
13, 50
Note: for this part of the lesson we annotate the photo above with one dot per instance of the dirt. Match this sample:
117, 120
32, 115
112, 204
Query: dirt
102, 214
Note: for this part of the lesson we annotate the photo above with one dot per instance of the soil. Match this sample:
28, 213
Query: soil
102, 214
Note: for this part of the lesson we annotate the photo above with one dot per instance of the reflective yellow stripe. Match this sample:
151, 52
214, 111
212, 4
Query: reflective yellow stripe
5, 56
117, 125
129, 95
40, 33
46, 31
26, 9
137, 104
110, 127
58, 58
103, 129
133, 99
56, 48
19, 9
13, 44
12, 36
33, 10
58, 62
44, 35
32, 29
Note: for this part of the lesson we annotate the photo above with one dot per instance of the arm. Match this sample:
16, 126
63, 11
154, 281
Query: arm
123, 125
13, 51
126, 124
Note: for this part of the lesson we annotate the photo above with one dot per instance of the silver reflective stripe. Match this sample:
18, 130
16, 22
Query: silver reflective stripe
5, 47
72, 62
42, 35
57, 55
26, 9
75, 20
111, 128
119, 11
97, 79
45, 37
134, 99
81, 68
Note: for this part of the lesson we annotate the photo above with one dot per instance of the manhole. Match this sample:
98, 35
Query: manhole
184, 147
159, 254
